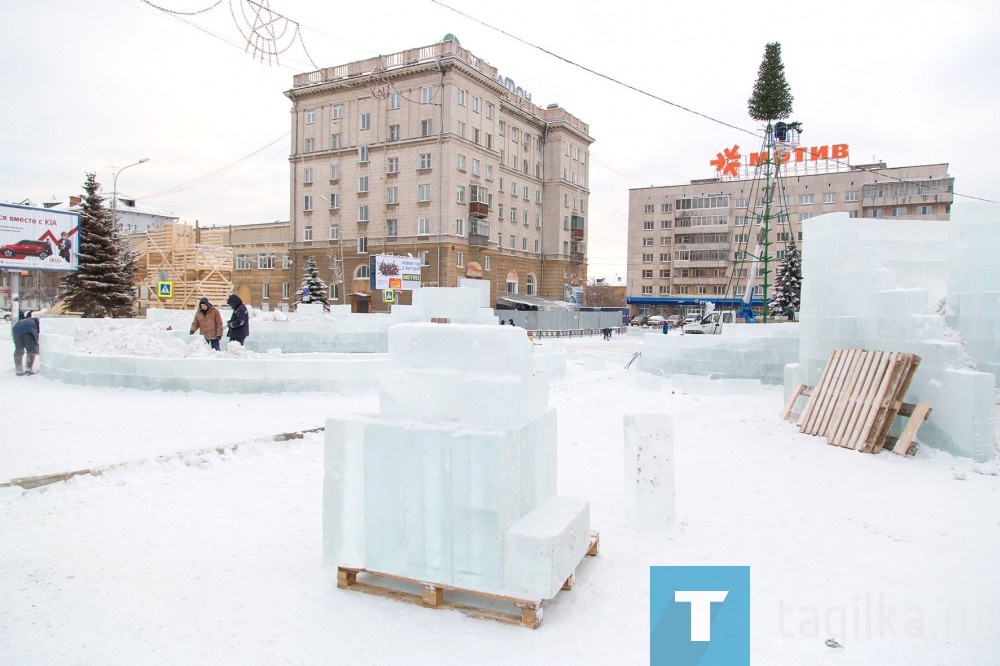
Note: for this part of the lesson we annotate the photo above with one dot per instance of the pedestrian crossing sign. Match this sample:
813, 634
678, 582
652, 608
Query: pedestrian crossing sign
388, 296
165, 289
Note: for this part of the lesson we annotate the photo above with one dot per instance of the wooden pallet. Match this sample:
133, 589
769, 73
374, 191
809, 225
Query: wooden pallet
857, 399
474, 603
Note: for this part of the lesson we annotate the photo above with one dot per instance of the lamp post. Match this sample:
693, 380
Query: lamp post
114, 187
340, 243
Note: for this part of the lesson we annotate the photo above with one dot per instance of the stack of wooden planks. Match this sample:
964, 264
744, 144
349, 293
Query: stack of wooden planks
858, 397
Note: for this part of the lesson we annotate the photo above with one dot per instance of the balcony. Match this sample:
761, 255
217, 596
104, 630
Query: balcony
478, 210
576, 234
576, 257
478, 240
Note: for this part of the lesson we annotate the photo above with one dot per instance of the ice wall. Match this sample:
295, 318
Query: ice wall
454, 482
742, 351
925, 287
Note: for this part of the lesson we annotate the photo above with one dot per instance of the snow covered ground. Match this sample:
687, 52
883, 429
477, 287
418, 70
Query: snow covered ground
182, 554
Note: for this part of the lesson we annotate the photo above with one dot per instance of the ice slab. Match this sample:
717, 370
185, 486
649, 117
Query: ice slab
649, 468
543, 549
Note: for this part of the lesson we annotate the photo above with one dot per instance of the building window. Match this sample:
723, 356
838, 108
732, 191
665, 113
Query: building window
804, 216
426, 127
829, 197
461, 162
426, 94
501, 127
393, 132
423, 192
422, 255
489, 172
307, 202
924, 210
363, 245
284, 291
647, 289
475, 167
524, 243
898, 212
244, 262
647, 258
461, 129
647, 242
489, 110
460, 194
286, 261
310, 116
666, 224
647, 224
853, 213
363, 154
337, 112
307, 175
334, 200
334, 232
425, 161
513, 241
513, 214
489, 141
538, 220
266, 261
335, 172
363, 213
851, 196
392, 195
647, 274
365, 121
461, 97
459, 227
335, 141
486, 263
424, 226
391, 228
392, 165
361, 272
805, 199
362, 184
310, 143
460, 259
307, 233
475, 104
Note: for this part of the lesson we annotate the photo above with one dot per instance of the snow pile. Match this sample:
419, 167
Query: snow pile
124, 338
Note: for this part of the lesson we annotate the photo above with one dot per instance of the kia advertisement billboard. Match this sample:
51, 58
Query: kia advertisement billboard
38, 238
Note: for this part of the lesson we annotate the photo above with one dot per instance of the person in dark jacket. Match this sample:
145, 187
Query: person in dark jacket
25, 334
208, 320
239, 322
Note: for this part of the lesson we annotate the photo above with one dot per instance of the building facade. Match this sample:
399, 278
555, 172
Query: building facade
431, 153
688, 244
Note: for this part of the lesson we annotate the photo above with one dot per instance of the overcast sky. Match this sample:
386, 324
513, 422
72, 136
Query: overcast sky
94, 84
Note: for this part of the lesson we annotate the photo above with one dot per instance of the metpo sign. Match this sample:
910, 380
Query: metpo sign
729, 161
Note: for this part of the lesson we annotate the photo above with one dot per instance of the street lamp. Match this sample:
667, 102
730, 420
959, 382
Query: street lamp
340, 243
114, 187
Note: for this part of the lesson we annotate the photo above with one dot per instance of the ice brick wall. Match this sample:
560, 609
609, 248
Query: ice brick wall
920, 286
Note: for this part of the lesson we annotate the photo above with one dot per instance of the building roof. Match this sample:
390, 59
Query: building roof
526, 302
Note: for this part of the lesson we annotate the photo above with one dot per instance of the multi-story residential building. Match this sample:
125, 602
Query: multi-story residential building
432, 153
687, 244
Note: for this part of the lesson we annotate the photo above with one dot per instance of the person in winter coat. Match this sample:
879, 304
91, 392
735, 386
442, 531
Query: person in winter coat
239, 322
25, 334
208, 320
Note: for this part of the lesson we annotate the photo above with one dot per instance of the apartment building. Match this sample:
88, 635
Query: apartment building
432, 153
688, 244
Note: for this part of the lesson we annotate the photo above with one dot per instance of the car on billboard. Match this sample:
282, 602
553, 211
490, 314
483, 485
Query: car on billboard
26, 248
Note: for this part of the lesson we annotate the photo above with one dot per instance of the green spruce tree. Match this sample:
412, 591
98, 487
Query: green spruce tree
104, 284
786, 297
313, 289
771, 98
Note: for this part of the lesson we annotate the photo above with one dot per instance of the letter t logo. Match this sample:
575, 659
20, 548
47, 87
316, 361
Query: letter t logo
701, 610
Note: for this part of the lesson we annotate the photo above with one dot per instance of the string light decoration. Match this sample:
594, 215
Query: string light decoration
378, 83
268, 34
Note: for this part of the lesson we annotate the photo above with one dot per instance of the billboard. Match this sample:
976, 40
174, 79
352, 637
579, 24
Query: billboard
38, 239
388, 271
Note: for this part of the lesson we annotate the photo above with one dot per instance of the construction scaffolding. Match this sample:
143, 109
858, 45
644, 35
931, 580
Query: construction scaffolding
194, 261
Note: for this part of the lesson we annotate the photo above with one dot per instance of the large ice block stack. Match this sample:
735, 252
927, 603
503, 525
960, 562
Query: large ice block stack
459, 305
454, 482
912, 286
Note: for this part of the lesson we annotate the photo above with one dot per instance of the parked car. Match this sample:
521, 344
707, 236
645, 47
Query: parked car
26, 248
675, 320
692, 318
656, 320
638, 320
5, 314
